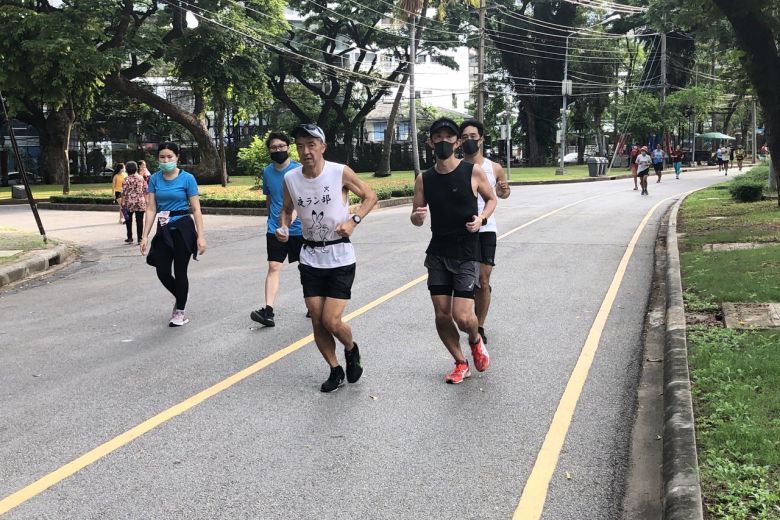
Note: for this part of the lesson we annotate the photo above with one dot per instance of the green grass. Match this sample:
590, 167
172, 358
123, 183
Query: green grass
241, 187
11, 239
734, 374
734, 382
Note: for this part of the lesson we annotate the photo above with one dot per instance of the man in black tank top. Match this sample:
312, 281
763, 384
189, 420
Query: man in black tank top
450, 189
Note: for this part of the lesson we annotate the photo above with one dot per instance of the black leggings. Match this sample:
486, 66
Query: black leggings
139, 224
178, 284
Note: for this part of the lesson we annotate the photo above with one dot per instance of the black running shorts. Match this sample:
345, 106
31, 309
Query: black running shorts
487, 248
643, 173
278, 251
658, 167
448, 277
335, 282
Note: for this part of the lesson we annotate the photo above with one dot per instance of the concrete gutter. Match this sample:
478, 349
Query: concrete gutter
681, 487
36, 263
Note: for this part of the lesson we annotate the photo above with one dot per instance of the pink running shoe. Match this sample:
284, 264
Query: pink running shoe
480, 355
178, 319
460, 373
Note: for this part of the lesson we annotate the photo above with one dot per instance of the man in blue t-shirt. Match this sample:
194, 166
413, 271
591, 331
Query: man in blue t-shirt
273, 187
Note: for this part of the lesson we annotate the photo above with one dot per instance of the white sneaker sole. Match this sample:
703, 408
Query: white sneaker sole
172, 324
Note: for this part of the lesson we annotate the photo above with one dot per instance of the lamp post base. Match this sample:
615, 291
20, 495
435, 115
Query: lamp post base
560, 171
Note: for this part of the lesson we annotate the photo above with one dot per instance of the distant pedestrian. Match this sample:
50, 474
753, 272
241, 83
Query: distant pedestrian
739, 155
450, 189
719, 158
764, 152
143, 171
632, 163
677, 157
725, 157
658, 161
133, 201
116, 181
173, 202
319, 192
472, 133
273, 187
643, 162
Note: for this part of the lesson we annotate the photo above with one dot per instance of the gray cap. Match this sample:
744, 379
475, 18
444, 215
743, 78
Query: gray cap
309, 129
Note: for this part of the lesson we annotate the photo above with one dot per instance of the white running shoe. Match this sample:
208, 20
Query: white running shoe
178, 319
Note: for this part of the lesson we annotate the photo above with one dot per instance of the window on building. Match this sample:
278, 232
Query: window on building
422, 58
402, 130
417, 94
379, 132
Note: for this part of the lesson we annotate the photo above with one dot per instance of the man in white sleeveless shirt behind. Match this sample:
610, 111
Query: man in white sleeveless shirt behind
472, 132
319, 192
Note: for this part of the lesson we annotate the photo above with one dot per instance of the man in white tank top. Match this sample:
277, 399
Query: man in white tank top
319, 192
472, 132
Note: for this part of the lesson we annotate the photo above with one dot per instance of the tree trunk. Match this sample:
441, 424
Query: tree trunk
219, 132
535, 149
383, 170
208, 170
54, 142
762, 64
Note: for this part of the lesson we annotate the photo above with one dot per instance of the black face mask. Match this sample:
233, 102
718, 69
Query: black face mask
443, 150
279, 157
470, 146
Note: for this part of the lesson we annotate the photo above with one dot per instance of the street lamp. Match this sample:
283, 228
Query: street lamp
565, 91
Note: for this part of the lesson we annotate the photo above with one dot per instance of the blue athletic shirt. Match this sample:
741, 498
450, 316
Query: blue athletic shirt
173, 195
658, 156
273, 188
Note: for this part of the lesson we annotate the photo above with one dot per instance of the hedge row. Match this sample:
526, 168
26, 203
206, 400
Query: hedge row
382, 194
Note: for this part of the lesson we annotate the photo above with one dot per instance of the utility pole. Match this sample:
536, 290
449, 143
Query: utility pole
412, 93
565, 90
481, 64
754, 131
663, 90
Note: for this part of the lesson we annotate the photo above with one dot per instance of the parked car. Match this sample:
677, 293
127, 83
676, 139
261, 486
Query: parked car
15, 178
571, 158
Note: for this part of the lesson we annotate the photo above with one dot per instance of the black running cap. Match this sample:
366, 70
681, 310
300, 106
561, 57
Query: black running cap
444, 122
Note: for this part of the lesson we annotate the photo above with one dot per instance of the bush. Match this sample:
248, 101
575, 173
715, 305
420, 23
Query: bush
253, 158
747, 190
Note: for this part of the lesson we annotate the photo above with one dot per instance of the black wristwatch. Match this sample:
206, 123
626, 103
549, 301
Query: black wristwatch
484, 222
356, 219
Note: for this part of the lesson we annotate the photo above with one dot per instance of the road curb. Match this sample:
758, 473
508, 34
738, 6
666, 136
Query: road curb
681, 487
35, 264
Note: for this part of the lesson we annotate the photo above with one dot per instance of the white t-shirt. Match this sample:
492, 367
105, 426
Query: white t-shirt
643, 162
491, 226
321, 207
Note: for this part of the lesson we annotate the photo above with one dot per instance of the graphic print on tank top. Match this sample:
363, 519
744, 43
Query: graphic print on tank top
321, 208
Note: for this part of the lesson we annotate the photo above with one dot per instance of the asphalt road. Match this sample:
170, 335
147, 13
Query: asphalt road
86, 355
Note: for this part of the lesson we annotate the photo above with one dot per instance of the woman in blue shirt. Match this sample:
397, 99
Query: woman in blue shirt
173, 197
658, 161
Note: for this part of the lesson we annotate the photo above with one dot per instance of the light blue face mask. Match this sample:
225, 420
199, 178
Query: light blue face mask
168, 166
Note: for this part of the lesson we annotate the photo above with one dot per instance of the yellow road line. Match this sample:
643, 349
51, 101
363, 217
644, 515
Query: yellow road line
76, 465
535, 492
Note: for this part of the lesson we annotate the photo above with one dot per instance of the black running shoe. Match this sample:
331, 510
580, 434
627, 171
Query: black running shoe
263, 316
335, 380
482, 333
354, 366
